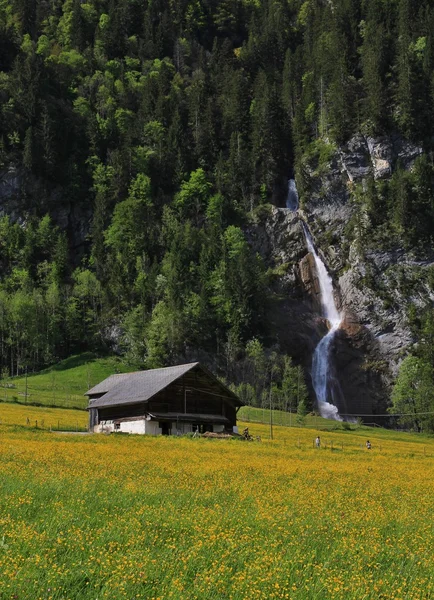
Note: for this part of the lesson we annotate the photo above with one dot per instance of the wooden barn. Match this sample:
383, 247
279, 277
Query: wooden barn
170, 401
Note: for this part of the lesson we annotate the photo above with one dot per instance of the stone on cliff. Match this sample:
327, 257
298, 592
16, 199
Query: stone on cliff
364, 156
355, 158
381, 152
405, 152
309, 280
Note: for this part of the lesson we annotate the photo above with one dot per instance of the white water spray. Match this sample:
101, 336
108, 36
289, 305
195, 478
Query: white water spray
324, 383
292, 197
321, 367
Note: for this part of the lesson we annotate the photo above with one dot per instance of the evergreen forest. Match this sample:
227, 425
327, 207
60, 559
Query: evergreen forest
141, 140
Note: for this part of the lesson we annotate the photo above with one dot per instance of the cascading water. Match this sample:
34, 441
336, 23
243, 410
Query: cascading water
322, 377
324, 382
292, 197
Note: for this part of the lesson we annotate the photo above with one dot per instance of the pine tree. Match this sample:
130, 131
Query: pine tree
405, 116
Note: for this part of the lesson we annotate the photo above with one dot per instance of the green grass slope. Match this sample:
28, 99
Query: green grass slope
63, 384
279, 417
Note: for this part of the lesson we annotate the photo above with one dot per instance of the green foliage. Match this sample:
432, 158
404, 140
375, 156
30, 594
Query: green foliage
194, 195
398, 211
271, 380
413, 391
131, 232
301, 412
65, 383
168, 128
413, 396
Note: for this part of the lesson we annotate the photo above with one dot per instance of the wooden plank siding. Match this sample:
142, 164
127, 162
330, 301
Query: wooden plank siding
192, 393
196, 391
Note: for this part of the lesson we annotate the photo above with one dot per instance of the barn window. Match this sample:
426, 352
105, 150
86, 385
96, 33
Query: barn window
117, 426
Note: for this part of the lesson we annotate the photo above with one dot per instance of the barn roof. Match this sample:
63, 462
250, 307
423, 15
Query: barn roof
104, 386
141, 386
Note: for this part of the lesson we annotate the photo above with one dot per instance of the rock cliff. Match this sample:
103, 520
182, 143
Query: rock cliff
375, 334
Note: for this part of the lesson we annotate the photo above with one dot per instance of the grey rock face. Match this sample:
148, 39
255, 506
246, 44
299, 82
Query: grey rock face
387, 325
382, 315
375, 334
11, 201
355, 158
295, 314
381, 153
327, 207
10, 184
364, 156
405, 152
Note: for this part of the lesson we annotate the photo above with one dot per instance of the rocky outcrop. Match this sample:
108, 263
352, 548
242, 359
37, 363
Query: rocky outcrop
309, 280
293, 315
367, 156
356, 159
384, 309
328, 209
374, 298
362, 373
296, 321
327, 189
375, 334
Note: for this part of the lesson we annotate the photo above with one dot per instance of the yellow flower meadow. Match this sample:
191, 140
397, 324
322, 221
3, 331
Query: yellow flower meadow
42, 417
87, 517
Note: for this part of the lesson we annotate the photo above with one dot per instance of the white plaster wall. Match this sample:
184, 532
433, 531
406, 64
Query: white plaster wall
151, 428
124, 427
104, 427
132, 426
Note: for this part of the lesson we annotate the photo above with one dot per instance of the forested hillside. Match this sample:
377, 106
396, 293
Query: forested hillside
139, 140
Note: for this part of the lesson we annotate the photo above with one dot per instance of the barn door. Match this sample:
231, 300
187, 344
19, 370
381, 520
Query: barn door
165, 428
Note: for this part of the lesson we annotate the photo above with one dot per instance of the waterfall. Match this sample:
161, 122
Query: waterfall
292, 197
324, 383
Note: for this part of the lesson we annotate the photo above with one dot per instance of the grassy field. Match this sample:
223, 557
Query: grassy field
91, 517
64, 384
286, 419
49, 418
33, 417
